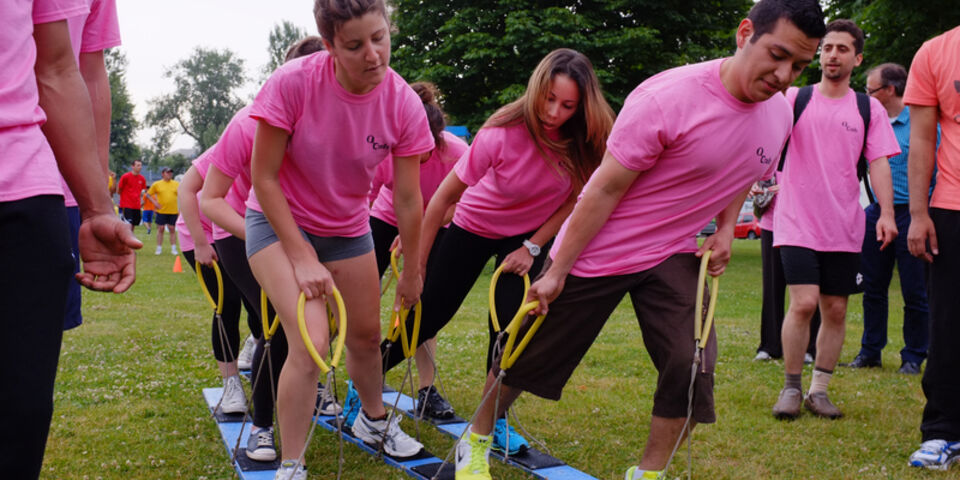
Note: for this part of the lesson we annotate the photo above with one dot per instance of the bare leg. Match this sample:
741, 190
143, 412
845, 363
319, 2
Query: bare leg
833, 313
160, 235
663, 437
173, 235
227, 369
486, 416
425, 356
795, 334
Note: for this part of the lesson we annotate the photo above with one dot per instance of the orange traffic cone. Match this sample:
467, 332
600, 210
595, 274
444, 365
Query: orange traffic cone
177, 268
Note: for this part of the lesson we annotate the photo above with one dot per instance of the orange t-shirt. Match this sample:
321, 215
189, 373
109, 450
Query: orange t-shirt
934, 81
147, 204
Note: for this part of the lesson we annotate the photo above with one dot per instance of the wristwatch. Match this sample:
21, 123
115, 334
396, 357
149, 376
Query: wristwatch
532, 247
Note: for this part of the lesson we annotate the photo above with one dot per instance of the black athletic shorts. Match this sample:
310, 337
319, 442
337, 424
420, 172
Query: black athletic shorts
166, 219
837, 273
131, 216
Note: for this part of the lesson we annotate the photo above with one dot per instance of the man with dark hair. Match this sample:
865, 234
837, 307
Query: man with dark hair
130, 186
818, 223
886, 83
933, 93
710, 130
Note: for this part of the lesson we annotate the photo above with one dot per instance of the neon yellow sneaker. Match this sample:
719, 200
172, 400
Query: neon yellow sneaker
644, 474
472, 457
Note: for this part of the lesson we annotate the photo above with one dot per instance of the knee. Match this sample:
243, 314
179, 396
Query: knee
803, 306
361, 338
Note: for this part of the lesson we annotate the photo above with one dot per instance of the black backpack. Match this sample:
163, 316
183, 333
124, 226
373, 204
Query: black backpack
863, 106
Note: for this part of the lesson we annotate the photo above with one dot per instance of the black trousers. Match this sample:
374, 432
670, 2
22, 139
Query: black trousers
453, 268
774, 293
941, 381
37, 269
225, 332
233, 256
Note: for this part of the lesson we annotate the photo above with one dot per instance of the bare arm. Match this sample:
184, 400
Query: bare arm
106, 243
446, 196
214, 205
94, 73
190, 211
520, 261
408, 206
882, 181
923, 148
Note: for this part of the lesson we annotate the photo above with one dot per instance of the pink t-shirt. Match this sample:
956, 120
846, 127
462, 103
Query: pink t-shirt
432, 172
512, 188
92, 32
232, 158
935, 81
696, 148
201, 163
337, 140
819, 205
27, 165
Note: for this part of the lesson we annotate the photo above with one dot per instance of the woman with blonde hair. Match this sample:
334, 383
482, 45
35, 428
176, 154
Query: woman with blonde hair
513, 189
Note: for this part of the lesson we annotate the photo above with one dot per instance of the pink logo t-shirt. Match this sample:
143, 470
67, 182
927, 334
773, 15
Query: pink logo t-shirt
27, 165
513, 187
337, 141
819, 204
432, 172
696, 148
201, 163
232, 157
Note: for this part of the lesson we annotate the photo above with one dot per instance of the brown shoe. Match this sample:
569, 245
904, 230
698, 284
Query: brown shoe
820, 405
788, 404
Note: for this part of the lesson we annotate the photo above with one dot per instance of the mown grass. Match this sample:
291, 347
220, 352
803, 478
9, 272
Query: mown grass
129, 404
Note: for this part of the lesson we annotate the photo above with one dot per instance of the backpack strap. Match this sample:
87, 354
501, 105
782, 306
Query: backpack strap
863, 106
799, 104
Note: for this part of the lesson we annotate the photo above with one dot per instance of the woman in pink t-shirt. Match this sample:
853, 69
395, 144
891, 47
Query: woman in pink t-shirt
326, 121
434, 166
512, 190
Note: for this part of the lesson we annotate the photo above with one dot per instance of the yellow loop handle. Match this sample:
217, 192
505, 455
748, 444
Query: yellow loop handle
510, 354
338, 346
395, 271
218, 304
398, 321
702, 328
269, 328
493, 288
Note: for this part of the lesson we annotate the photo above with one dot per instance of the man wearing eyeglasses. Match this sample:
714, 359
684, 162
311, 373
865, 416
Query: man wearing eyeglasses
886, 83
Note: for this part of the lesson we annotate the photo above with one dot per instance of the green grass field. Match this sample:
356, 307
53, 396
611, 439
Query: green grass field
129, 404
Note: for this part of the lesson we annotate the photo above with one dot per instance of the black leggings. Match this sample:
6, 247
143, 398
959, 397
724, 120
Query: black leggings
229, 326
453, 268
774, 294
383, 235
233, 255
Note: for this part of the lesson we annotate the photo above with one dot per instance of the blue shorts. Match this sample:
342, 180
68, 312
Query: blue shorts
148, 216
261, 235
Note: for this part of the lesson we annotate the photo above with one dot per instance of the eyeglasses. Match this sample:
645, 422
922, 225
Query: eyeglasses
875, 90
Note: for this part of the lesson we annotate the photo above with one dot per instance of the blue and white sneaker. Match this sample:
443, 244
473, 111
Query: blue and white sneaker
351, 405
506, 439
936, 454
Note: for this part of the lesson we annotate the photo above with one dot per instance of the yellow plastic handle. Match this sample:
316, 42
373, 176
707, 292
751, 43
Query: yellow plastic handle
511, 353
218, 304
269, 328
398, 321
338, 346
702, 328
395, 271
493, 288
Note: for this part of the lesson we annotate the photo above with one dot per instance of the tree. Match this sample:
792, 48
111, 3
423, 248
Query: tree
894, 29
123, 122
482, 55
283, 35
204, 99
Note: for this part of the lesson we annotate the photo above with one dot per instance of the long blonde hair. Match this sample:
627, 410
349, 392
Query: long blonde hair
584, 135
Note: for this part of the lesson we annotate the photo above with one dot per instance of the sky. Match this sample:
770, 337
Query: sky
156, 35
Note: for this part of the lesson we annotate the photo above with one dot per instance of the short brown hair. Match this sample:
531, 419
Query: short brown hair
332, 14
305, 46
845, 25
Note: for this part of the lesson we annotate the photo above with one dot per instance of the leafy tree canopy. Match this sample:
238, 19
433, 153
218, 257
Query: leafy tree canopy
123, 122
283, 35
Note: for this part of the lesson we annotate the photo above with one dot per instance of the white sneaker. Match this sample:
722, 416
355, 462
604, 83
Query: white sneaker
762, 356
245, 359
395, 443
159, 250
233, 400
808, 359
173, 249
289, 470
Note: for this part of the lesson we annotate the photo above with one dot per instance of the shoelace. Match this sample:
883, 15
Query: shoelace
264, 437
477, 460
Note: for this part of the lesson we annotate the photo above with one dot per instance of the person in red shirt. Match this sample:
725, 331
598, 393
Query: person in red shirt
131, 186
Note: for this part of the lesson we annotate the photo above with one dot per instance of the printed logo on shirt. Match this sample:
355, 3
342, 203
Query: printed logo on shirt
849, 127
859, 278
765, 160
376, 145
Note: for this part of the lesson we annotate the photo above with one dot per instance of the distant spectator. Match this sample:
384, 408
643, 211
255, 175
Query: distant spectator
130, 187
163, 195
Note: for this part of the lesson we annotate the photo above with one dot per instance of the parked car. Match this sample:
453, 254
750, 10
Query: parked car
708, 229
747, 227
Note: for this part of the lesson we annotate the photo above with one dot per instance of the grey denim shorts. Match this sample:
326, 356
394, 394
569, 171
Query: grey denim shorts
261, 235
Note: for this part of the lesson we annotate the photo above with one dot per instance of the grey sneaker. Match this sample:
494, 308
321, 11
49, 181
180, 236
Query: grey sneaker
234, 400
326, 402
260, 446
788, 404
395, 442
821, 406
245, 358
289, 470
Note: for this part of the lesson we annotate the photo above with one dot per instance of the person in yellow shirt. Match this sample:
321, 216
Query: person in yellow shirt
163, 195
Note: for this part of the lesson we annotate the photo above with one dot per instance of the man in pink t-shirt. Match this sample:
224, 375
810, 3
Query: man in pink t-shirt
819, 224
933, 93
686, 148
45, 130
